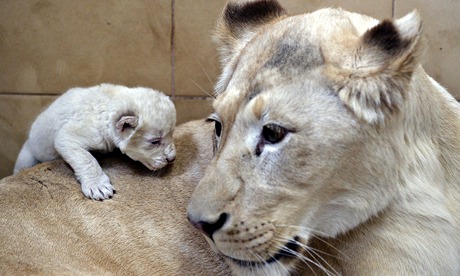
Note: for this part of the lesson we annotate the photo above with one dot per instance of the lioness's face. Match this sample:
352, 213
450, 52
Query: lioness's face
287, 148
281, 135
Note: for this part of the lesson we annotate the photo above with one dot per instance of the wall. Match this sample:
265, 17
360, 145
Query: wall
49, 46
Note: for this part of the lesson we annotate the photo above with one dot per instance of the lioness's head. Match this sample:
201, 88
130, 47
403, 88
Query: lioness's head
145, 133
303, 117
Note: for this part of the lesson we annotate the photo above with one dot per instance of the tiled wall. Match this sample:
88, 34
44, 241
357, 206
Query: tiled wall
48, 46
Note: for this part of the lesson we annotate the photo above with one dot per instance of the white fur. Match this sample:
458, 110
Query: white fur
102, 118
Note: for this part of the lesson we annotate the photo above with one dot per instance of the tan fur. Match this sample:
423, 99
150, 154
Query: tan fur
47, 227
337, 153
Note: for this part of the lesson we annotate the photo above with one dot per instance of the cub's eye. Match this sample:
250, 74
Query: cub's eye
155, 142
273, 133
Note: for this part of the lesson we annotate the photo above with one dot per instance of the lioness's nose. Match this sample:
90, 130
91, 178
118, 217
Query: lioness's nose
209, 228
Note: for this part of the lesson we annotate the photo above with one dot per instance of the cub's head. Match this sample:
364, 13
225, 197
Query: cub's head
306, 117
145, 132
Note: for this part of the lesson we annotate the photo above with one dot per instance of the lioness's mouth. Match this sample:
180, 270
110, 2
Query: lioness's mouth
288, 251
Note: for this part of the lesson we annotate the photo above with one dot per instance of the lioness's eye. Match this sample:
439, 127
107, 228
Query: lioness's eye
218, 128
273, 133
217, 125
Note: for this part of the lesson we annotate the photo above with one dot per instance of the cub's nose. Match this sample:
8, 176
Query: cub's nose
171, 159
207, 227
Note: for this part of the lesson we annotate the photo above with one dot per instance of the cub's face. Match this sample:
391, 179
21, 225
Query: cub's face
288, 146
152, 147
147, 136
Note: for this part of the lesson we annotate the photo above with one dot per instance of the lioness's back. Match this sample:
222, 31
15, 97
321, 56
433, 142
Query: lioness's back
47, 226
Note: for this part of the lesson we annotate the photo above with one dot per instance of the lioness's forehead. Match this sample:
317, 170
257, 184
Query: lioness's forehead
286, 52
271, 58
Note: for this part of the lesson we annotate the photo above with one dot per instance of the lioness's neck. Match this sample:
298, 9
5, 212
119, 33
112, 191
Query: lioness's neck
434, 130
430, 167
423, 148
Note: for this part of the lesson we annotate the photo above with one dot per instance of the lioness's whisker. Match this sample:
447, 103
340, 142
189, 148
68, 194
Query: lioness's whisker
307, 261
311, 250
207, 76
306, 247
322, 252
281, 246
202, 89
318, 238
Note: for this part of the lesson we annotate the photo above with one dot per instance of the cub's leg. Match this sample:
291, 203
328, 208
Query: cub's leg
94, 182
26, 159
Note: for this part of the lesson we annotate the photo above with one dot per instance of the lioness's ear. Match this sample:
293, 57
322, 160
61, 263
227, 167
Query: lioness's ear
239, 22
372, 75
126, 124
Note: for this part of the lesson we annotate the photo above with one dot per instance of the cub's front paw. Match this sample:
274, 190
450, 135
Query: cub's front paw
99, 189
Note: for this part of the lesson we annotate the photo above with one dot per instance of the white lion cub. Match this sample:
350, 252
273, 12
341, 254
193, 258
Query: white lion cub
139, 121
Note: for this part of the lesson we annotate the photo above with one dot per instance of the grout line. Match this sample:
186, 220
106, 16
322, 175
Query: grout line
29, 94
203, 98
172, 97
393, 8
173, 54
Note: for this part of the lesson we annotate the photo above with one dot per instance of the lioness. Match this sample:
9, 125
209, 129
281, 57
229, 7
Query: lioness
139, 121
334, 153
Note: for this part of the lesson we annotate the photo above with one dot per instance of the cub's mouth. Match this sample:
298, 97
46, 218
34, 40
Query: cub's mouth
289, 251
154, 165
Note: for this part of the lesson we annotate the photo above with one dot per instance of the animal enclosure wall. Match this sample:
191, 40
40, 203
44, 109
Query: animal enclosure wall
49, 46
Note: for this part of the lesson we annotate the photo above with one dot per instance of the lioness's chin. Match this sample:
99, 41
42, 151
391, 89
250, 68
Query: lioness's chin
285, 257
289, 251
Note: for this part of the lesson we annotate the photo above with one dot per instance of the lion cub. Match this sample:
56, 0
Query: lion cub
138, 121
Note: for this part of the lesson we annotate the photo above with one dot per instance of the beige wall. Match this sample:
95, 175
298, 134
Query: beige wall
48, 46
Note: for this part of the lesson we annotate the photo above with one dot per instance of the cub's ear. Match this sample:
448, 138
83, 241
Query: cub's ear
240, 20
371, 73
126, 124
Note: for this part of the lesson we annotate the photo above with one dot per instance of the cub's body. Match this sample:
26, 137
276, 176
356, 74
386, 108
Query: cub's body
138, 121
85, 113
